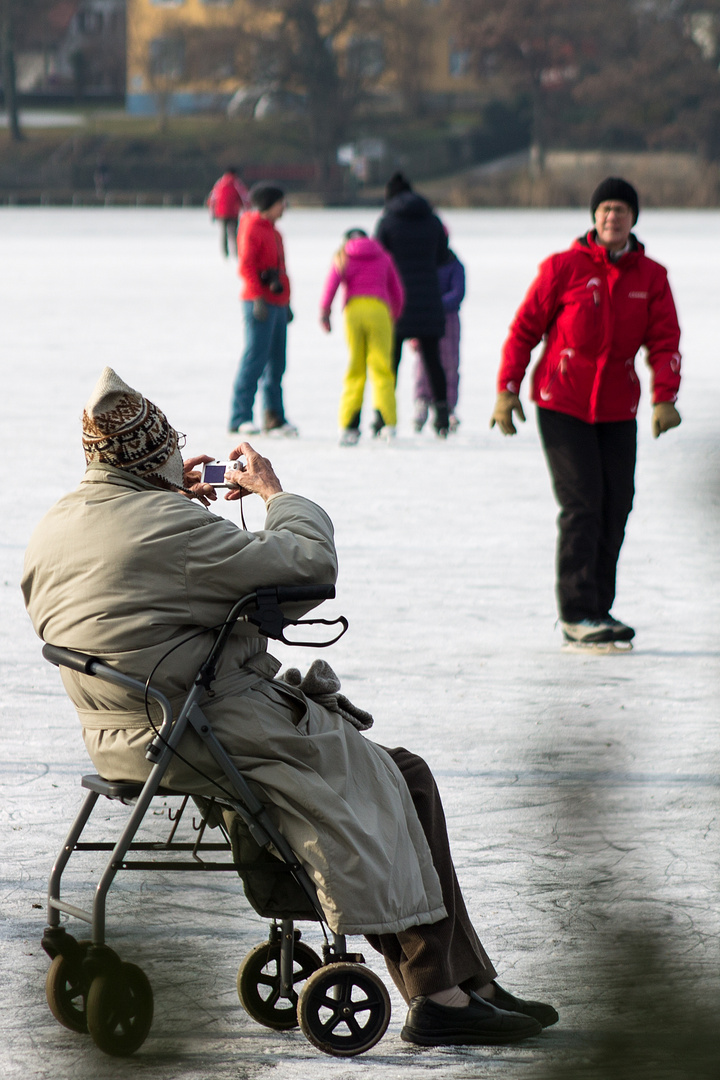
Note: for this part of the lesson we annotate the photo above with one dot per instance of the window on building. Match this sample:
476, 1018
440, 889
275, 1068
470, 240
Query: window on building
365, 56
167, 56
212, 56
89, 21
458, 60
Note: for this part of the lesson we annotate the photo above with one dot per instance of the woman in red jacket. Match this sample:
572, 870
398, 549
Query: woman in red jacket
594, 305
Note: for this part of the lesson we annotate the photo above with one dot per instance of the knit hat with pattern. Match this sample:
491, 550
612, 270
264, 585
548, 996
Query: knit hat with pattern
122, 428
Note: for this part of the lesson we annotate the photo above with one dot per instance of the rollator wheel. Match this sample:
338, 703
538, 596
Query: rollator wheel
65, 991
344, 1009
258, 983
120, 1010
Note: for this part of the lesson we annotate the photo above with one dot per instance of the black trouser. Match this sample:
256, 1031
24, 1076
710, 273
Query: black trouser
433, 957
228, 235
430, 352
592, 467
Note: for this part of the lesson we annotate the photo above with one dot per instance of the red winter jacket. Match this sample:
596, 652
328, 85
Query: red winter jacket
227, 198
260, 248
594, 315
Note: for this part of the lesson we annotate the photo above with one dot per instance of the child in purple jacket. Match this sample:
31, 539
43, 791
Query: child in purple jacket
373, 300
451, 275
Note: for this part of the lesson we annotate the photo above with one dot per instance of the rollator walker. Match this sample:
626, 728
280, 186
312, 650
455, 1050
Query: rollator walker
341, 1006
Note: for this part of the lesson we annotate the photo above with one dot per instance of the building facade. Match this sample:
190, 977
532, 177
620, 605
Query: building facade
77, 50
195, 55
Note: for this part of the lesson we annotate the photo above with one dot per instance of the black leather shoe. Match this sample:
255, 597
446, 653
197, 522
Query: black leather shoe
544, 1014
478, 1024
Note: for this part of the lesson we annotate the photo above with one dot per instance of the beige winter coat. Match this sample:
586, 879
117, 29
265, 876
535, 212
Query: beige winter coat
123, 570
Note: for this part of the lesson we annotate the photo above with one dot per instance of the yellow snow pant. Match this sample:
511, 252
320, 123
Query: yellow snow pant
369, 331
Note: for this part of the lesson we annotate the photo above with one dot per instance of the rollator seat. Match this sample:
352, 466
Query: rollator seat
267, 881
124, 790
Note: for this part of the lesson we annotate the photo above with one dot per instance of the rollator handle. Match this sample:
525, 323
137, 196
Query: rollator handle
270, 620
70, 658
288, 593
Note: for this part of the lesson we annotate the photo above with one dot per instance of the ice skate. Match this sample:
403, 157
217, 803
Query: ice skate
621, 631
277, 426
454, 423
377, 424
421, 414
596, 648
349, 437
246, 428
284, 431
441, 421
597, 637
387, 433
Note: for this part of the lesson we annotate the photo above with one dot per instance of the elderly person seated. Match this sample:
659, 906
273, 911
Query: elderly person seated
127, 567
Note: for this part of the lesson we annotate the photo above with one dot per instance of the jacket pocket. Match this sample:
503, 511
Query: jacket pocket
553, 379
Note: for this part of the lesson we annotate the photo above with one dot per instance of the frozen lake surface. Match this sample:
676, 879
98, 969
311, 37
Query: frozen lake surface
581, 792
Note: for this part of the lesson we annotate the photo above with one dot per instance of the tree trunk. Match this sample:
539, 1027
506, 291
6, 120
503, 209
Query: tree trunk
537, 146
7, 45
326, 133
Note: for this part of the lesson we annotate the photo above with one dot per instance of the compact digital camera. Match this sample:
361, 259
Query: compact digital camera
214, 472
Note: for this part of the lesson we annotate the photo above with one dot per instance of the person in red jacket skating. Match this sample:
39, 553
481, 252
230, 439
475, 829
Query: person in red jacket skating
228, 198
266, 306
594, 305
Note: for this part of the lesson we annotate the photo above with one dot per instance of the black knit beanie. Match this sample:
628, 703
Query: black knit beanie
263, 196
396, 185
615, 188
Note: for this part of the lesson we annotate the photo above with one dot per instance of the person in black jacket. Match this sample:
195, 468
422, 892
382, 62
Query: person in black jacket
417, 241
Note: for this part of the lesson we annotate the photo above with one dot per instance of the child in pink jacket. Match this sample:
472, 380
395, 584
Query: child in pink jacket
373, 299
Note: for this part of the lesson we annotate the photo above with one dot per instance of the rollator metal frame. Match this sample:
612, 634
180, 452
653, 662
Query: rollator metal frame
272, 622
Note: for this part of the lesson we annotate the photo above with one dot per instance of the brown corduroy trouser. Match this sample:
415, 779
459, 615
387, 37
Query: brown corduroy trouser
426, 959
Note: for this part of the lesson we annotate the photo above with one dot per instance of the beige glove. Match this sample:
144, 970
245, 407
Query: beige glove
664, 417
506, 404
322, 685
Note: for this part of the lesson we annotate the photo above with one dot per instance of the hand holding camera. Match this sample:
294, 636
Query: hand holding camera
257, 476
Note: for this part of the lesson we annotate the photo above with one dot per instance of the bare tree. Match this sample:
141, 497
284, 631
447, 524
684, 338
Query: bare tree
16, 18
8, 22
663, 90
330, 52
619, 73
408, 36
539, 47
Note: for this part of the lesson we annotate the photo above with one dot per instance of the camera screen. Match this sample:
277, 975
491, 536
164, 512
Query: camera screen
214, 474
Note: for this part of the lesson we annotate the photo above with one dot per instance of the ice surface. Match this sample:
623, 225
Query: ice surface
581, 792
